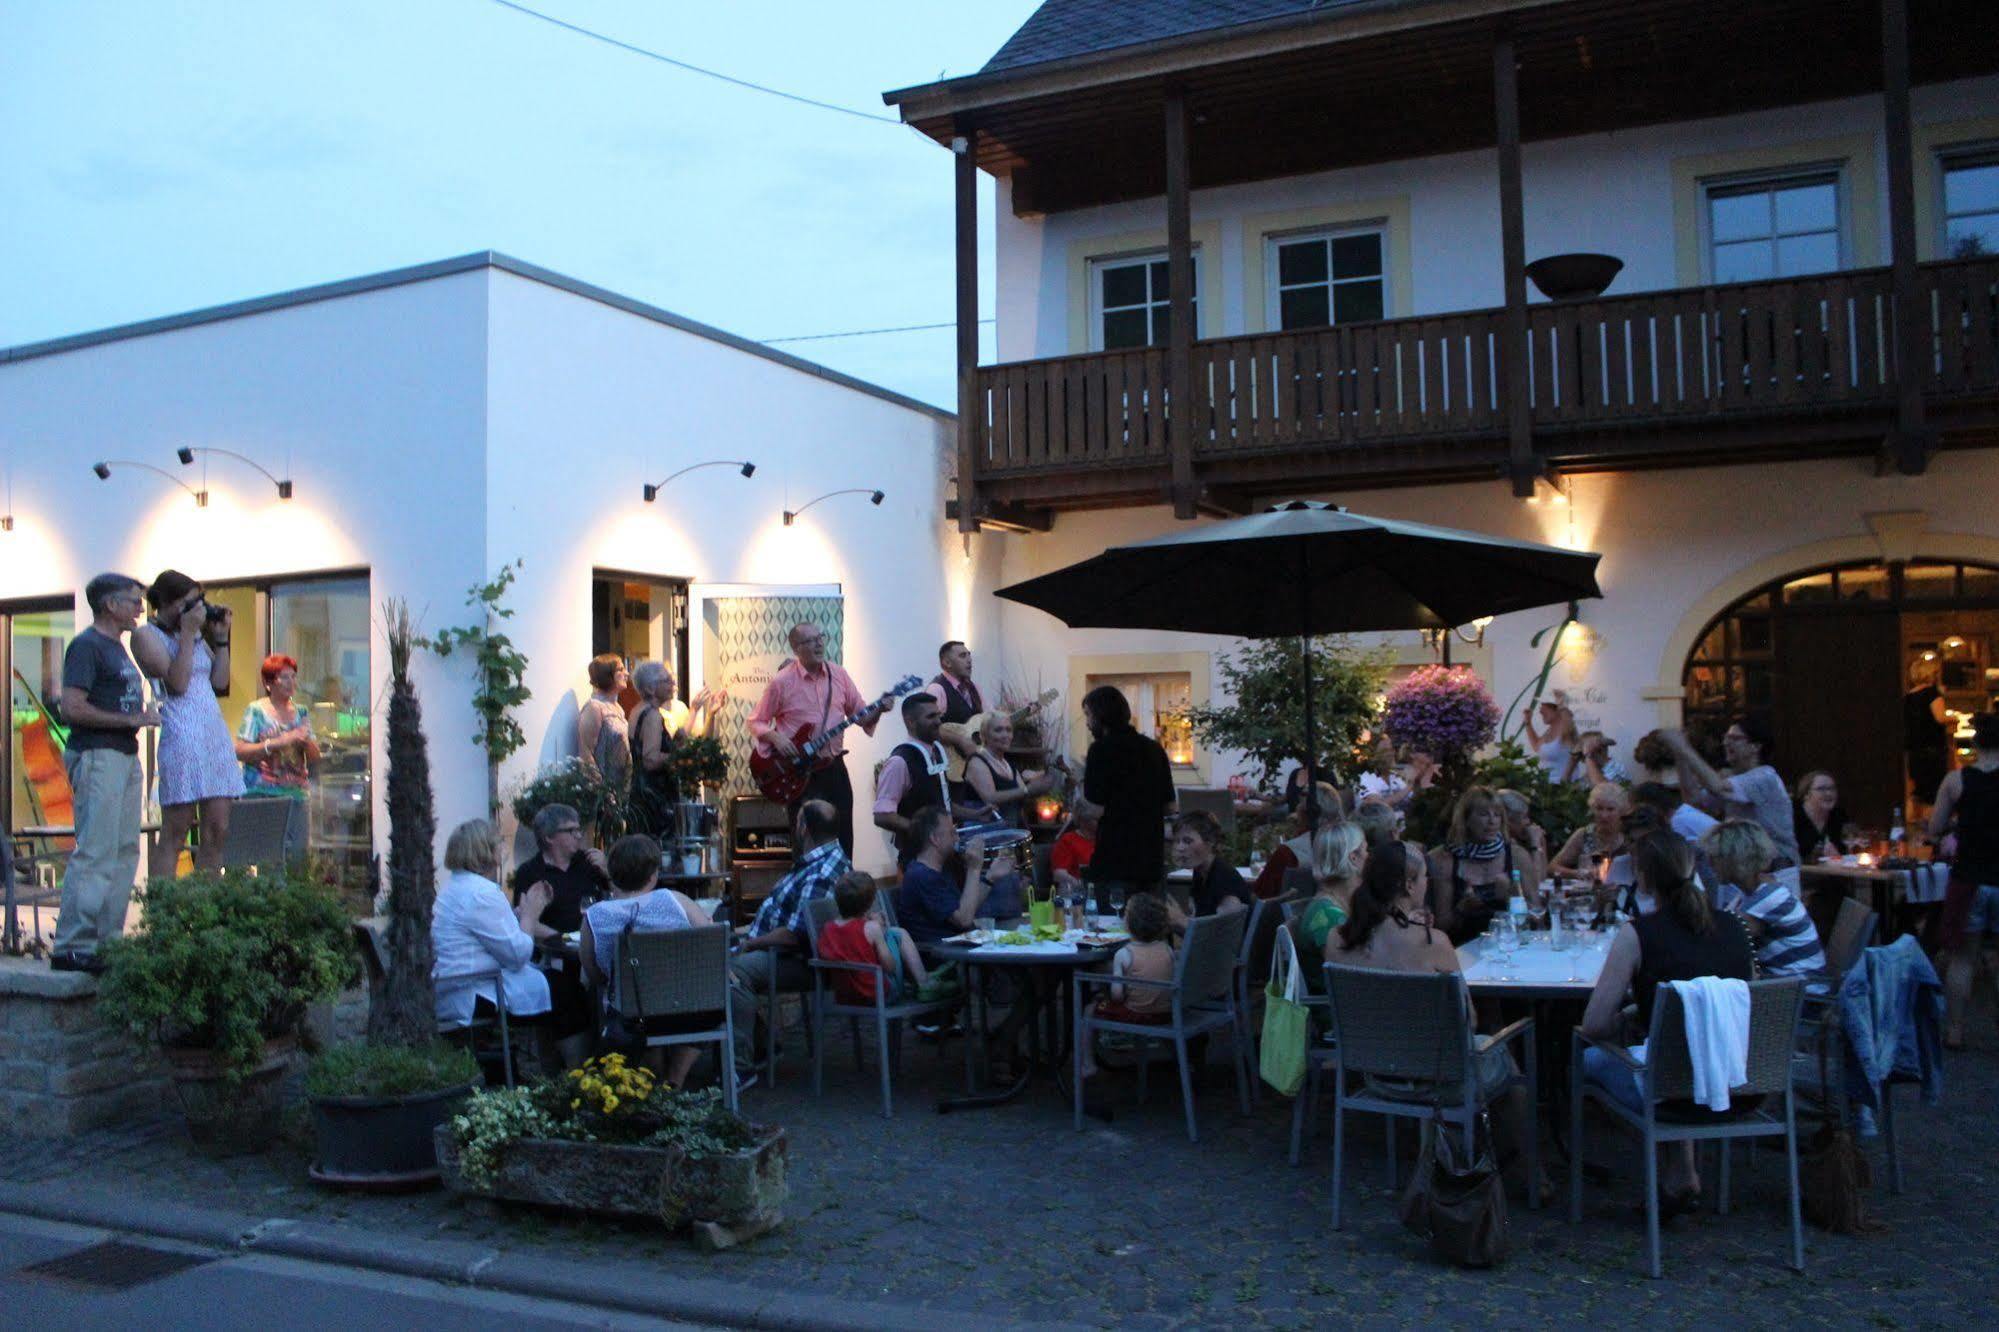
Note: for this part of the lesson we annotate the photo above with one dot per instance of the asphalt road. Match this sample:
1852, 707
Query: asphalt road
256, 1290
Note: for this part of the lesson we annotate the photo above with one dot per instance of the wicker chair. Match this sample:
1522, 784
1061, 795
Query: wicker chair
888, 1018
1203, 997
1412, 1026
680, 977
1252, 972
1320, 1057
1667, 1074
265, 833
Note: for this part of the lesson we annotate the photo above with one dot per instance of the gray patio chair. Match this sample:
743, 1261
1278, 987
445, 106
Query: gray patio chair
1319, 1058
1666, 1077
1203, 1000
265, 833
888, 1018
21, 877
1409, 1036
1266, 917
681, 977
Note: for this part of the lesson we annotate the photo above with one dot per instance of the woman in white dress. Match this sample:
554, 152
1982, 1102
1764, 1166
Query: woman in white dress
184, 652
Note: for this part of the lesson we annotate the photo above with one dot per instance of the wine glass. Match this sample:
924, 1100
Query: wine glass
1114, 900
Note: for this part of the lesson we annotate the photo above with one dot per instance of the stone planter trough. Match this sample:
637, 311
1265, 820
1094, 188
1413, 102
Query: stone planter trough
724, 1199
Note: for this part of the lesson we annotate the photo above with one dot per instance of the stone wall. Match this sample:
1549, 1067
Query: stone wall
63, 1069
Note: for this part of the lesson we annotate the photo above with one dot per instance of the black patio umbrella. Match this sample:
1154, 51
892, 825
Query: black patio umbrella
1303, 569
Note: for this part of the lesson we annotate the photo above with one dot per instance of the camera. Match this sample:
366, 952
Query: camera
215, 614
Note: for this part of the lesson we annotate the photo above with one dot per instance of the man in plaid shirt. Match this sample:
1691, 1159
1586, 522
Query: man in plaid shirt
774, 954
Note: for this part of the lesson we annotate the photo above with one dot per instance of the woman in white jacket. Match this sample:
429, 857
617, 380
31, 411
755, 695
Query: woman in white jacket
474, 932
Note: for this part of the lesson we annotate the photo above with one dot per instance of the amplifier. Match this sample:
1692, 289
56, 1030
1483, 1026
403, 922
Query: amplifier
759, 830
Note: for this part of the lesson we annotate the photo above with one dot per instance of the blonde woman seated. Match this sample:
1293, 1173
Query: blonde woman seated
1339, 853
1596, 851
475, 932
1389, 930
1471, 875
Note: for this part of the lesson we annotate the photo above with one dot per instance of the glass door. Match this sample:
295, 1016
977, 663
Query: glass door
33, 785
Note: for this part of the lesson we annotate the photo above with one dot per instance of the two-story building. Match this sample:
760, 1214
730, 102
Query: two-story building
1261, 248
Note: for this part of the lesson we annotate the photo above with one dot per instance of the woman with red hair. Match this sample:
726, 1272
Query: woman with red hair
275, 743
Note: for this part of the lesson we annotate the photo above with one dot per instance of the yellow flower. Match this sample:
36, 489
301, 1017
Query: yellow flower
610, 1104
576, 1105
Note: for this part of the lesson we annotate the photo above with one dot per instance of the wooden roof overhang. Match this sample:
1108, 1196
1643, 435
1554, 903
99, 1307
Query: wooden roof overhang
1400, 79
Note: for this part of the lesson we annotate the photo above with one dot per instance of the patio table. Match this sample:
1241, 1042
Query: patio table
1887, 886
1035, 962
1553, 983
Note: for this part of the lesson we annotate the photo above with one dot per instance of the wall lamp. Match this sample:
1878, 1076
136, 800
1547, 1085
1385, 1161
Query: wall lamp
1437, 639
874, 498
748, 469
186, 456
103, 470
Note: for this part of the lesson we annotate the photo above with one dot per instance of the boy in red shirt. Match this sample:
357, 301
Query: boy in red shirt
1073, 849
860, 935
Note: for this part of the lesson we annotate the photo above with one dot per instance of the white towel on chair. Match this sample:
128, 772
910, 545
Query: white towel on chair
1717, 1013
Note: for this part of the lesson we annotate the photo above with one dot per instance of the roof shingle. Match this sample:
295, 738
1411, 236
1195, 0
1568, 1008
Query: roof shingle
1064, 28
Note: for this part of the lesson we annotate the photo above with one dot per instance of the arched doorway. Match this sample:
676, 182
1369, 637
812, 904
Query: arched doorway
1830, 655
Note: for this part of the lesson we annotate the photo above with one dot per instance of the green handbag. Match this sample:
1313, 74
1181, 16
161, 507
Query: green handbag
1041, 911
1286, 1021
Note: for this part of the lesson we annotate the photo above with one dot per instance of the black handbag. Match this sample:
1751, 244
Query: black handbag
1455, 1202
615, 1032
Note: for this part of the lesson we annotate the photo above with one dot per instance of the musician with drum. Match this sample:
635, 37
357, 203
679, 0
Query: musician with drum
914, 777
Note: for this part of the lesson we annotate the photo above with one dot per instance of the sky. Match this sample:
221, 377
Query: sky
163, 155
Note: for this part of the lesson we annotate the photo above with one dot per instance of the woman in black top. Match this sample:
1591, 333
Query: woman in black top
1969, 798
1472, 875
1818, 817
1683, 939
1216, 887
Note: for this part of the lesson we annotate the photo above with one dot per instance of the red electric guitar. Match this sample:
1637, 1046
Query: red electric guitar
783, 779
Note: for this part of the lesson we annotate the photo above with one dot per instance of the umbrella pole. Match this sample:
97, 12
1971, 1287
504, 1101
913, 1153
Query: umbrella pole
1311, 721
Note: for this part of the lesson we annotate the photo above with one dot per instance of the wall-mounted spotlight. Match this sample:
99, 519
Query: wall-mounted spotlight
747, 468
186, 456
103, 470
874, 498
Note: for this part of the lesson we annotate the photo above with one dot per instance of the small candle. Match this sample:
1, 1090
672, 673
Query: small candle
1864, 858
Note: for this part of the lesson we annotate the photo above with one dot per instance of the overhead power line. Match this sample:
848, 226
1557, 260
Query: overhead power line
696, 69
864, 332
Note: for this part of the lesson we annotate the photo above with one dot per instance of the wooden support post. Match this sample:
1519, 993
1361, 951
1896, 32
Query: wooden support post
1181, 396
1913, 441
970, 410
1522, 466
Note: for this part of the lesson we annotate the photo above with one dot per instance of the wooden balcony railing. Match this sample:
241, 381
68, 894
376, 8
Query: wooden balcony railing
1659, 358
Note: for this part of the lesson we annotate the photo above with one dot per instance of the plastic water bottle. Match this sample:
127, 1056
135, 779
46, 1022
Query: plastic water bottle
1897, 839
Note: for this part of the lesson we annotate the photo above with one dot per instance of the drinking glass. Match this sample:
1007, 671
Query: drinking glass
1114, 899
1505, 935
986, 927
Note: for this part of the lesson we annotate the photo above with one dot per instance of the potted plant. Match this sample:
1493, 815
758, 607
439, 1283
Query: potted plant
376, 1104
609, 1139
220, 973
603, 808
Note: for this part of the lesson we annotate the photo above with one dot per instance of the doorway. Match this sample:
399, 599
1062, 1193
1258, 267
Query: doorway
34, 789
640, 617
1847, 662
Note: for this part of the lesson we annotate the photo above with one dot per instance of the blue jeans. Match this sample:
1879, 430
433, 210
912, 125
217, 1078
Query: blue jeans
1615, 1078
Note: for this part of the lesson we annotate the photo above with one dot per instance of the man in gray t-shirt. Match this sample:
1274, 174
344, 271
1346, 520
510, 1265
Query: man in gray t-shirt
103, 703
1751, 790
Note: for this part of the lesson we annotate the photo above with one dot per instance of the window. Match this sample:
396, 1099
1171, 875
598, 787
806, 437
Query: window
1159, 702
1130, 304
32, 640
1327, 277
1971, 203
640, 619
1772, 228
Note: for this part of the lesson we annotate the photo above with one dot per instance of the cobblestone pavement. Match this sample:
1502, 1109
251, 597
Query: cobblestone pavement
1012, 1212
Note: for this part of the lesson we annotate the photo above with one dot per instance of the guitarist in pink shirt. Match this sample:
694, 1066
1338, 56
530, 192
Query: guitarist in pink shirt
812, 691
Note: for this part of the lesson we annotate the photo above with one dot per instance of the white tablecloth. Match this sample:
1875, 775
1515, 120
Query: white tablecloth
1536, 966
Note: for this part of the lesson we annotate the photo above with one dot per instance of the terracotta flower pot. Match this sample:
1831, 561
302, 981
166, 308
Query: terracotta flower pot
231, 1118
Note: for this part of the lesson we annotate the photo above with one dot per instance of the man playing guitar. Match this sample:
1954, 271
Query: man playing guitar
811, 691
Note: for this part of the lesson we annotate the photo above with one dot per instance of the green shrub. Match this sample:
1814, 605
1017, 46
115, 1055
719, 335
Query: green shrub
359, 1068
225, 962
580, 786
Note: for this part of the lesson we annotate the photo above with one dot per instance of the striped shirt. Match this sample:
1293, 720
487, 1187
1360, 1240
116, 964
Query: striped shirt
1790, 943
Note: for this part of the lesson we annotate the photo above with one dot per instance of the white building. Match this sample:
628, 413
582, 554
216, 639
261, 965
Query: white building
437, 423
1353, 190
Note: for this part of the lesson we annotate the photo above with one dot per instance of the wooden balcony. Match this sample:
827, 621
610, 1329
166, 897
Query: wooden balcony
1730, 373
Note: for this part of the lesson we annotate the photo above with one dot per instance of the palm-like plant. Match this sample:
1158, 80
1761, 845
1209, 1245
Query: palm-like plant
403, 1011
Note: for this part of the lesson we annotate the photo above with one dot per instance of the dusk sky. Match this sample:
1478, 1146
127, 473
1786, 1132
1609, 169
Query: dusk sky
160, 157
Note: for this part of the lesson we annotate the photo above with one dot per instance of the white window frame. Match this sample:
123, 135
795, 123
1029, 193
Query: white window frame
1980, 153
1772, 179
1273, 305
1100, 264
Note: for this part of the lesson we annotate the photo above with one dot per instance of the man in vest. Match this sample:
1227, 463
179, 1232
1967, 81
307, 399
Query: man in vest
914, 778
957, 698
